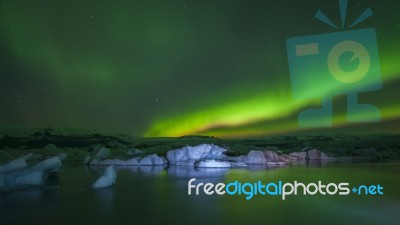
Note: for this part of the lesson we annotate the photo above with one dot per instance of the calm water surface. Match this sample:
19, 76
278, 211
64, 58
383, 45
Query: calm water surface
157, 195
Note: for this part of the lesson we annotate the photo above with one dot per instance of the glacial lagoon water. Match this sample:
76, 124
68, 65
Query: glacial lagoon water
158, 195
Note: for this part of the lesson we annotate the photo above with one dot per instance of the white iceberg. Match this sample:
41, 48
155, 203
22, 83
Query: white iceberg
108, 162
238, 164
15, 164
31, 177
99, 153
133, 161
311, 154
153, 159
108, 179
189, 154
298, 155
36, 175
51, 164
22, 178
255, 157
213, 164
190, 162
150, 160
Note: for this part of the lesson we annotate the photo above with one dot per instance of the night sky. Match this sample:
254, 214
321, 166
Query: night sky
172, 68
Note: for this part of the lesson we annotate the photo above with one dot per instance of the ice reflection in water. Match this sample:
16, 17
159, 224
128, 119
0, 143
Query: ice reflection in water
158, 195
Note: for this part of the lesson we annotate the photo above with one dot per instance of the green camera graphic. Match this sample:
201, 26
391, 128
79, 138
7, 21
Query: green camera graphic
345, 62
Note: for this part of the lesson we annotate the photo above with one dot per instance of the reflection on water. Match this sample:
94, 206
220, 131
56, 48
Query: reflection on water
105, 198
158, 195
144, 169
312, 163
191, 172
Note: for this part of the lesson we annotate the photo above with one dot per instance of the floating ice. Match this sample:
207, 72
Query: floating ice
150, 160
315, 154
298, 155
255, 157
98, 154
51, 164
22, 178
15, 164
190, 154
213, 164
153, 159
108, 179
312, 154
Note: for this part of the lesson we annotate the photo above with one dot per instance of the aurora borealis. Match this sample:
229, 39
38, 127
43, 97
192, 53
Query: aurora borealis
173, 68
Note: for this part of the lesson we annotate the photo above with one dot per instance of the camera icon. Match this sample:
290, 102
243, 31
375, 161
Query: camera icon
322, 66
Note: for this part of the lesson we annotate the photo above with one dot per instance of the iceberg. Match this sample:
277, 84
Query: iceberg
315, 154
188, 155
98, 154
17, 175
238, 164
190, 162
298, 155
107, 179
15, 164
312, 154
51, 164
108, 162
255, 157
22, 178
31, 178
213, 164
153, 159
133, 161
150, 160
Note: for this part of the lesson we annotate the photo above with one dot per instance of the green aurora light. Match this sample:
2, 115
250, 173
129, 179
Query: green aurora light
171, 69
